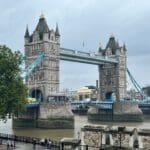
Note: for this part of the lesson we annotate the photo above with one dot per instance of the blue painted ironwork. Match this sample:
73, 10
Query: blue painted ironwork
32, 104
101, 104
31, 67
84, 57
136, 85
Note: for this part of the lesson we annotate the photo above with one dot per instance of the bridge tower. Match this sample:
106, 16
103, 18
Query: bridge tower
44, 80
112, 77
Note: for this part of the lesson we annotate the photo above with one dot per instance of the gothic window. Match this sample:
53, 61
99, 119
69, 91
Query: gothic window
52, 38
35, 47
52, 47
40, 77
41, 36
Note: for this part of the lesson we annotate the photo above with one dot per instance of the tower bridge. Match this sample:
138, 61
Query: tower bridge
42, 62
43, 79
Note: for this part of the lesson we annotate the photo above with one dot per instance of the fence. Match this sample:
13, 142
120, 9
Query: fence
32, 140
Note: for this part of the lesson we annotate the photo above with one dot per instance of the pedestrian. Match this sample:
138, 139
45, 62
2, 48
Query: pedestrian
0, 141
49, 144
11, 144
14, 143
8, 144
34, 142
45, 142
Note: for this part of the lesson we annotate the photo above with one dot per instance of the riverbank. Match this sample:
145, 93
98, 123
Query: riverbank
58, 134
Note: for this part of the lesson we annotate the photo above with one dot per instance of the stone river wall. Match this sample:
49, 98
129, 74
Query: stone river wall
115, 136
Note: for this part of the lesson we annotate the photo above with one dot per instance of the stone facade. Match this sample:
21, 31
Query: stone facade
44, 80
112, 137
52, 109
112, 77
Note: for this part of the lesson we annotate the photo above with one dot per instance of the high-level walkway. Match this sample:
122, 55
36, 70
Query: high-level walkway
85, 57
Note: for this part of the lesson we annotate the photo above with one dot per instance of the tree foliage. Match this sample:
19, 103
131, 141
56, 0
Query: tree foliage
12, 89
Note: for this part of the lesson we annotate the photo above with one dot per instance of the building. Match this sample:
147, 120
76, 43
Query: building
44, 80
86, 92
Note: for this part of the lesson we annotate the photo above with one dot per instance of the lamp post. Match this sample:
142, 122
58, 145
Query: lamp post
120, 130
78, 135
101, 138
120, 139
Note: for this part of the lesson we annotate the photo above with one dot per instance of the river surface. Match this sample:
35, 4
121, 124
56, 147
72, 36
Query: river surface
58, 134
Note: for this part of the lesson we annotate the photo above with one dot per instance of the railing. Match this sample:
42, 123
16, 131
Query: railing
32, 140
105, 105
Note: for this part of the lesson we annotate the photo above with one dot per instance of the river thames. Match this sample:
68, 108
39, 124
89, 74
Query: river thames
58, 134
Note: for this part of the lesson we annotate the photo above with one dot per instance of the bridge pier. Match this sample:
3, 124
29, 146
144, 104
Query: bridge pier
49, 115
117, 111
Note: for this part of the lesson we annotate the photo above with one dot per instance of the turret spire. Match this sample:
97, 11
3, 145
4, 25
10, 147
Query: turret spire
42, 16
42, 26
57, 30
100, 48
124, 46
27, 32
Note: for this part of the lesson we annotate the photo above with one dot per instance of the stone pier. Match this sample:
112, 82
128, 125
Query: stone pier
121, 111
50, 116
55, 115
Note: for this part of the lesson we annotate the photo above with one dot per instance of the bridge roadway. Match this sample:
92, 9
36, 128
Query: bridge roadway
85, 57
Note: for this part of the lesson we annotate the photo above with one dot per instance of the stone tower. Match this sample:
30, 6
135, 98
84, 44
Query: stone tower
112, 77
44, 80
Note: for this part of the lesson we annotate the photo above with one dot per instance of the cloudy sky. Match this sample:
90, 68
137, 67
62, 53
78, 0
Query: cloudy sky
88, 21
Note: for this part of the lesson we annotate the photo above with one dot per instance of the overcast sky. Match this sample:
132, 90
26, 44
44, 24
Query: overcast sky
88, 21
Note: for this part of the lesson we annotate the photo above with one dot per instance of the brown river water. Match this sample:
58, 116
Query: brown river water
58, 134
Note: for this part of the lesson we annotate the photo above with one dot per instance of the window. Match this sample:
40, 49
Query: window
52, 38
52, 47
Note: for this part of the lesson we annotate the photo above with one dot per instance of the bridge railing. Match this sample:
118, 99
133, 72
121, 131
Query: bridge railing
67, 50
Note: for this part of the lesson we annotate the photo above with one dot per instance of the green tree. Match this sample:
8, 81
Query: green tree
12, 89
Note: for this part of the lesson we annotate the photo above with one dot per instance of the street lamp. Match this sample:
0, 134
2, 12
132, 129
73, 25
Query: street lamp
101, 138
120, 130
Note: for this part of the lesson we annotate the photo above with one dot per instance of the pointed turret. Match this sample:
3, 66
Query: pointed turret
42, 26
100, 48
57, 30
124, 47
112, 44
117, 43
27, 33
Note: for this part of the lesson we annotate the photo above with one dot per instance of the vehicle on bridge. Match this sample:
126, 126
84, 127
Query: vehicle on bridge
30, 99
58, 98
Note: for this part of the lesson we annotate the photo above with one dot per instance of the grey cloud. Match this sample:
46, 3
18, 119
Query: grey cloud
85, 21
